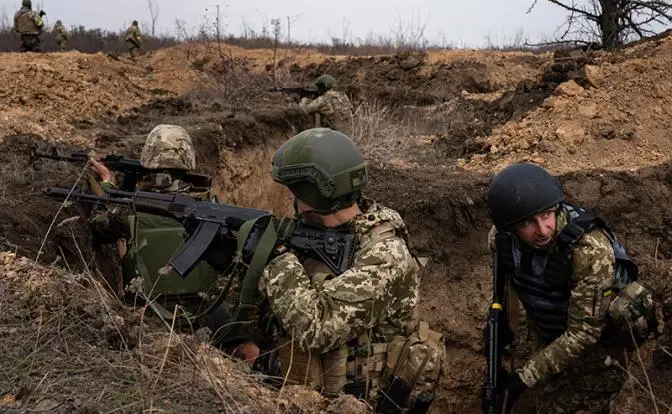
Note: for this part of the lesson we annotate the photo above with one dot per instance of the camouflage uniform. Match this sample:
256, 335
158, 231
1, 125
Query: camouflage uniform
60, 35
352, 332
332, 110
573, 364
378, 294
28, 24
146, 242
133, 38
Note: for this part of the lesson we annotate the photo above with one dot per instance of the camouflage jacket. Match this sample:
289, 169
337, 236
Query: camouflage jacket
593, 263
376, 296
59, 32
27, 21
334, 108
133, 35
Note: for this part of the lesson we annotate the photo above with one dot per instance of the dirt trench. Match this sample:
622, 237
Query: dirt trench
444, 209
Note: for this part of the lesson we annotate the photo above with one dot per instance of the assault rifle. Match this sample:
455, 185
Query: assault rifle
492, 395
206, 222
302, 92
131, 168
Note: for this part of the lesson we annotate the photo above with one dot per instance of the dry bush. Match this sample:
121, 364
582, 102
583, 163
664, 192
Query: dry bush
378, 132
69, 346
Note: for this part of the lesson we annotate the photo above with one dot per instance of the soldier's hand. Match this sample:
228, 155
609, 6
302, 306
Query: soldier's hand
248, 351
102, 171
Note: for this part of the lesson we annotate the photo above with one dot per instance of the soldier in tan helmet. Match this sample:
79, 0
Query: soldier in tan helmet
146, 242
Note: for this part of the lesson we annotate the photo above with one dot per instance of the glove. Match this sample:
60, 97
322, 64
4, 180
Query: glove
514, 387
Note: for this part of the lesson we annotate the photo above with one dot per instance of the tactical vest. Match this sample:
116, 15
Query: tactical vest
542, 280
25, 23
154, 240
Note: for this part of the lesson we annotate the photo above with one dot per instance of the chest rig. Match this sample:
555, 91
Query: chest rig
543, 279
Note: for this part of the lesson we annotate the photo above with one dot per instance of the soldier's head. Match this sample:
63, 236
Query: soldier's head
325, 82
168, 147
59, 22
523, 199
323, 169
27, 4
135, 23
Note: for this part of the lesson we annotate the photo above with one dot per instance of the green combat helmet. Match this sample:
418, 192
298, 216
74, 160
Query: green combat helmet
168, 146
322, 168
27, 3
325, 81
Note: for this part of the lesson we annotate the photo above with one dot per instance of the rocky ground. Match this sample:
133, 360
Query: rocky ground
434, 126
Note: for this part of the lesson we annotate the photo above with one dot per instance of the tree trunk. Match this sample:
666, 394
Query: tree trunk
610, 24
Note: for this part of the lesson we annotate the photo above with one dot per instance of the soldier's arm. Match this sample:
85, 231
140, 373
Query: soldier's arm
593, 266
350, 304
316, 105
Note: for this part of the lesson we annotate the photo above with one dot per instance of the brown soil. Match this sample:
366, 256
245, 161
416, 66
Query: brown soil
466, 114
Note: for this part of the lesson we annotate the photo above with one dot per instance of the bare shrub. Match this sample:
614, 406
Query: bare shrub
377, 131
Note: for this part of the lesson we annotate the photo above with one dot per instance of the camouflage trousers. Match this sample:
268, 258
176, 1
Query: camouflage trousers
133, 48
30, 43
61, 41
587, 386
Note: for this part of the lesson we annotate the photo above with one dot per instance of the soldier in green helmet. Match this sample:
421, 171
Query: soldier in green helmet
29, 25
340, 331
146, 242
332, 108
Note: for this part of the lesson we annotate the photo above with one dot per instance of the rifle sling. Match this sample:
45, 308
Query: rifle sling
262, 252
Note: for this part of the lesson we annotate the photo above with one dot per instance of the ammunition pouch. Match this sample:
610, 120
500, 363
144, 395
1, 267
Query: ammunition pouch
633, 315
413, 367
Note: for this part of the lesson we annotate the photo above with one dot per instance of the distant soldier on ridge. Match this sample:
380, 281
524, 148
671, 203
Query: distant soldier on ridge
133, 38
29, 24
60, 35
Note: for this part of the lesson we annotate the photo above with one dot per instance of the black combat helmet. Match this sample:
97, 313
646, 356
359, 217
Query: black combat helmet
520, 191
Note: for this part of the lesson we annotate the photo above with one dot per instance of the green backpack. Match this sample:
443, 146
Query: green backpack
154, 240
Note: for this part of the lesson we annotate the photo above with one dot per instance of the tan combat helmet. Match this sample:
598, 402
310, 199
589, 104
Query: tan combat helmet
168, 146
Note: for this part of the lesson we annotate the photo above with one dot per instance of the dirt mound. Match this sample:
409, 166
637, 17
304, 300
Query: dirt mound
620, 121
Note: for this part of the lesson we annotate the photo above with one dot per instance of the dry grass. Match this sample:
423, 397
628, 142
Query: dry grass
378, 132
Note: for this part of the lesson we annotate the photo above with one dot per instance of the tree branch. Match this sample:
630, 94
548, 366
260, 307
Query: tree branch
575, 9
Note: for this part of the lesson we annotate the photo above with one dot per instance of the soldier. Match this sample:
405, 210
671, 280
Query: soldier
338, 331
332, 109
29, 24
133, 38
146, 242
60, 35
563, 264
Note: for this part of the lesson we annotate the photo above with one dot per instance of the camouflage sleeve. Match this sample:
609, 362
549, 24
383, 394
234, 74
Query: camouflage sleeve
491, 240
593, 263
319, 104
109, 224
348, 305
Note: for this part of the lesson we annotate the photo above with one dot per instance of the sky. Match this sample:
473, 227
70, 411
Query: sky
460, 23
